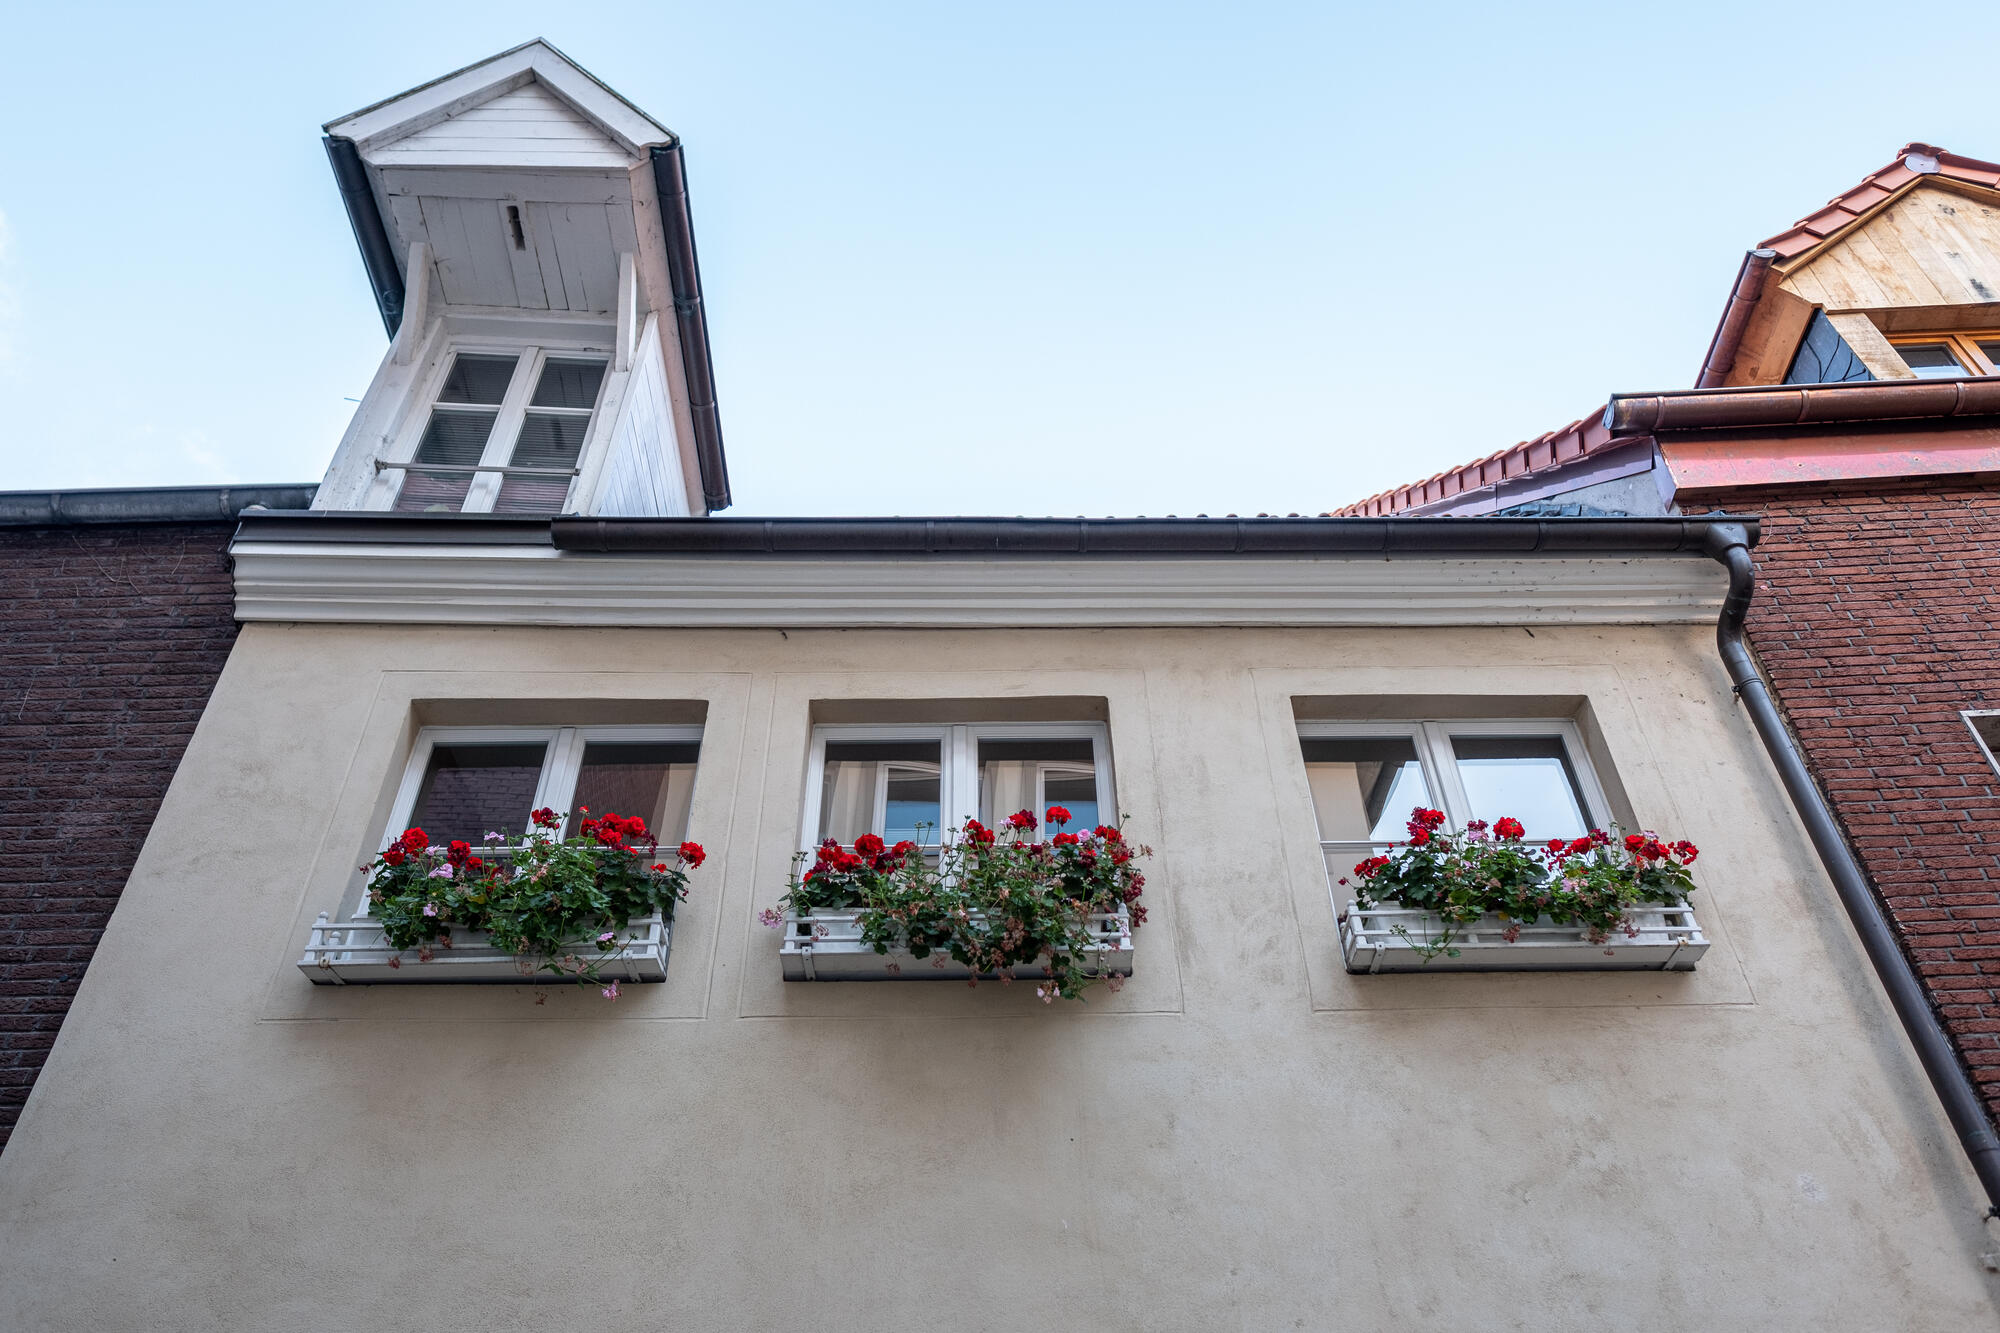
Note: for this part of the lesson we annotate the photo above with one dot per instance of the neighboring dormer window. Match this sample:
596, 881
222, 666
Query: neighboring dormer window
1937, 356
505, 434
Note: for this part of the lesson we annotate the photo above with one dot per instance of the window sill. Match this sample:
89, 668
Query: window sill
354, 953
827, 946
1668, 940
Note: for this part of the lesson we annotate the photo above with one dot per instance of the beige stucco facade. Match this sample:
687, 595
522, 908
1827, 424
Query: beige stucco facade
1245, 1137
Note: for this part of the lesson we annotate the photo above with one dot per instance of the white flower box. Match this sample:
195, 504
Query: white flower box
1668, 940
349, 952
827, 946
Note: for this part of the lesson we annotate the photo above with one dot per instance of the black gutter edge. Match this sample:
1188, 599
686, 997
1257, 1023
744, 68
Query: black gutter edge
684, 271
1114, 537
1907, 994
154, 504
385, 275
335, 526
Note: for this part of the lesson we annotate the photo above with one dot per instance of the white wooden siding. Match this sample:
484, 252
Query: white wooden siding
642, 472
527, 127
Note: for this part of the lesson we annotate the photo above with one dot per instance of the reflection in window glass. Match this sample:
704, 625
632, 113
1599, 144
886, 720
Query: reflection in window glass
1034, 775
551, 435
1364, 787
468, 404
471, 790
655, 782
1528, 777
888, 788
1991, 349
1930, 361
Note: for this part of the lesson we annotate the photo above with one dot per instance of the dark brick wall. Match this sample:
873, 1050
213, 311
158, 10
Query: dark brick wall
112, 640
1875, 617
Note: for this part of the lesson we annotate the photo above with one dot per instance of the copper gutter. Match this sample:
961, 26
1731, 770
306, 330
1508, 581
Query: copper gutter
1728, 337
1819, 404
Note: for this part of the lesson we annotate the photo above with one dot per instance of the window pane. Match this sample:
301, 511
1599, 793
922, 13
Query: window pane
883, 787
471, 790
1930, 361
654, 782
1034, 775
453, 437
477, 379
568, 384
1528, 777
1992, 350
1364, 787
546, 440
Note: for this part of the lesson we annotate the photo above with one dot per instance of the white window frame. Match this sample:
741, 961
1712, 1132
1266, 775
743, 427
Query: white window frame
1440, 765
483, 492
958, 777
562, 764
1972, 718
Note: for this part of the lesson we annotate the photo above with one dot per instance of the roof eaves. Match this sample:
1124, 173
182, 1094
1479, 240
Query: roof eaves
1579, 439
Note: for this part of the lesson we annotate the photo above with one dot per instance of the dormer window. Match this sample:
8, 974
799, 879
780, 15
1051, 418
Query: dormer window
1937, 356
504, 434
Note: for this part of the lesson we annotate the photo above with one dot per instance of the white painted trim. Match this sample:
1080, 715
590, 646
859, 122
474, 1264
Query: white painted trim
538, 585
416, 315
958, 776
420, 108
1972, 716
628, 311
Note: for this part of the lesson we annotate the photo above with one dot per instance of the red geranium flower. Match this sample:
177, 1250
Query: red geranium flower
1508, 827
868, 845
1057, 815
1634, 841
692, 853
394, 856
1021, 819
415, 840
1108, 833
1067, 840
545, 818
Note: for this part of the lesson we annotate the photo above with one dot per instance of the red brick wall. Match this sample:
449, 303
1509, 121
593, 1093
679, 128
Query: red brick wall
112, 640
1875, 617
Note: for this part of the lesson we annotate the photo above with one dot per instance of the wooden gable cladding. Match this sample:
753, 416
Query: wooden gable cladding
524, 240
1932, 245
528, 126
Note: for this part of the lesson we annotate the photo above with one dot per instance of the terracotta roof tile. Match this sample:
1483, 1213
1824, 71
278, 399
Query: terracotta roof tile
1913, 162
1587, 436
1579, 439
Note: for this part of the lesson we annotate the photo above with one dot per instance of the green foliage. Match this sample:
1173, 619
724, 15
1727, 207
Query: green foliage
993, 901
557, 904
1592, 882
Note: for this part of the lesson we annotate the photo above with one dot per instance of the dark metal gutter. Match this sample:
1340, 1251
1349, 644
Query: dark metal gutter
1819, 404
1907, 994
385, 275
1743, 297
1115, 537
156, 504
684, 271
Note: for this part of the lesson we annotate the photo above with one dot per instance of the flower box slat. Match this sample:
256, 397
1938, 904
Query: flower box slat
827, 946
355, 952
1667, 939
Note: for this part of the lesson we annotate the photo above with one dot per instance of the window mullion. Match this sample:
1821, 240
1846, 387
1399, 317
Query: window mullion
1444, 780
485, 490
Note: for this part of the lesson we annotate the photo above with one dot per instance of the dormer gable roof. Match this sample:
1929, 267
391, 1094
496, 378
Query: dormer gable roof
1913, 163
531, 93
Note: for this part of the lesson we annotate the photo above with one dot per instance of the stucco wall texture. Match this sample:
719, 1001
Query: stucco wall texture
1244, 1137
1875, 613
113, 637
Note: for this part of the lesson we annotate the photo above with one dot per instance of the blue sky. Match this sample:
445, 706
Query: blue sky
1025, 258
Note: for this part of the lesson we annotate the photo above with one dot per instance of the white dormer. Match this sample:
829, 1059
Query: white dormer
527, 234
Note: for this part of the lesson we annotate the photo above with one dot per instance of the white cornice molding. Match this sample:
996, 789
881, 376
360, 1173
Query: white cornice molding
538, 585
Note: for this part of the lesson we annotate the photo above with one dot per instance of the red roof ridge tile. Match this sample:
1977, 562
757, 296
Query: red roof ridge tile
1579, 439
1914, 161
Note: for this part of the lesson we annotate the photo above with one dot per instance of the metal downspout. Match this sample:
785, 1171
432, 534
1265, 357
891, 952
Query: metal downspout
377, 256
1729, 544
